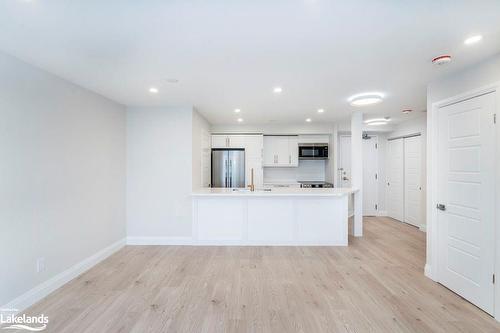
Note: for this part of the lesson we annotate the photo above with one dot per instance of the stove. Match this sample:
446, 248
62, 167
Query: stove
315, 185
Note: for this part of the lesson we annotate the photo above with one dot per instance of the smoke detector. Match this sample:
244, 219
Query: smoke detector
442, 60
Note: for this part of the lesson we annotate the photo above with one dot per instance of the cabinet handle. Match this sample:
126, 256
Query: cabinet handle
289, 159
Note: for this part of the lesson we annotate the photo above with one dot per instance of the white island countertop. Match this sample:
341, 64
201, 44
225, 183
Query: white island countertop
274, 192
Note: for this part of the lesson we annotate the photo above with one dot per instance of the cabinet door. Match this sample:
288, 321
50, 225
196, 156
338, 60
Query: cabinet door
253, 145
282, 151
270, 158
236, 141
253, 156
219, 141
293, 150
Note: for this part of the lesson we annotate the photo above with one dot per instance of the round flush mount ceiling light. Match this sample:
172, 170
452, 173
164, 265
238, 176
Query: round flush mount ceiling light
308, 120
442, 60
278, 90
377, 123
237, 110
373, 120
321, 110
240, 120
366, 99
153, 90
473, 39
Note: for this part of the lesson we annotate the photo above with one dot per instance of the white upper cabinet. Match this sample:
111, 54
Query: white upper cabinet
314, 138
228, 141
293, 150
281, 151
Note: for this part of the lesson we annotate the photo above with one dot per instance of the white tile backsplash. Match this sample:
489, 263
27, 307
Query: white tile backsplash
306, 171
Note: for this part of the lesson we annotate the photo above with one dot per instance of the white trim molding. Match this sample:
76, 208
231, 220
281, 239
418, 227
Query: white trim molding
34, 295
160, 241
431, 265
382, 213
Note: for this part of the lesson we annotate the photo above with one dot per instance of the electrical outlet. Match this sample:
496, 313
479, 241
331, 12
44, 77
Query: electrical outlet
40, 264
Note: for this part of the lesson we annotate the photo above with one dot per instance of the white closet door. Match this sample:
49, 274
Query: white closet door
466, 193
370, 177
395, 180
412, 179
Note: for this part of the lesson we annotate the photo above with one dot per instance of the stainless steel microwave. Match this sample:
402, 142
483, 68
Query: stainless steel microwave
313, 151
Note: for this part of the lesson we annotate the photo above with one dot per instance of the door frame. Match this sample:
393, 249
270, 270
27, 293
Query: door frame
432, 184
339, 165
377, 211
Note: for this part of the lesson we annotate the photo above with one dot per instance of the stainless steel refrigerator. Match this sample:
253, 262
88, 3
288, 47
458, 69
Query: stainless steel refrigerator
228, 167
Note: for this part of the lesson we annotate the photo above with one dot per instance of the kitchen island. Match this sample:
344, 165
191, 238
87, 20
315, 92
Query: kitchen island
288, 216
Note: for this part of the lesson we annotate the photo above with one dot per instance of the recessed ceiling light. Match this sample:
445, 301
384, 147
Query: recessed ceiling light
377, 120
237, 110
406, 111
308, 120
442, 60
366, 99
321, 110
240, 120
473, 39
153, 90
278, 90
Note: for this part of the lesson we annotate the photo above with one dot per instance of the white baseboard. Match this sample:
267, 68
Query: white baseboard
160, 241
428, 272
382, 213
29, 298
423, 228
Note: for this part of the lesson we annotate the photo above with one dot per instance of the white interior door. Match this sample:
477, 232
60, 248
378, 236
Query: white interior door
466, 180
395, 179
412, 180
345, 161
370, 176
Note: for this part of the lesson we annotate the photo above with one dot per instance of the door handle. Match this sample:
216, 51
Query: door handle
441, 207
345, 178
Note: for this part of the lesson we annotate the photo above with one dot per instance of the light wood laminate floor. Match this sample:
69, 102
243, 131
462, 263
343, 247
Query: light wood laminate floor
374, 285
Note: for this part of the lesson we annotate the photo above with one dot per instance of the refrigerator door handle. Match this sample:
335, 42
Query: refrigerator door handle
225, 173
230, 173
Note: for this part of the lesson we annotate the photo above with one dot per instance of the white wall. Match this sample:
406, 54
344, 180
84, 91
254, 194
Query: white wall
159, 172
474, 77
306, 171
62, 175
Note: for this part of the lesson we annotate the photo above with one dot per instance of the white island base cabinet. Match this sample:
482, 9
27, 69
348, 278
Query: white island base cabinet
268, 220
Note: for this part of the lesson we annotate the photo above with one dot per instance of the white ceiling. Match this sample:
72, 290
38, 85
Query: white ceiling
230, 54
